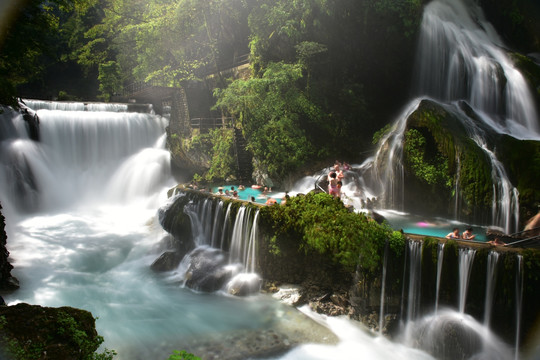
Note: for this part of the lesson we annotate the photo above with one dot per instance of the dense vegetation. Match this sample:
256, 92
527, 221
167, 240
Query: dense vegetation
324, 74
320, 223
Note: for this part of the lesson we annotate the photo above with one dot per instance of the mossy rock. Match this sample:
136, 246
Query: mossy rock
446, 140
36, 332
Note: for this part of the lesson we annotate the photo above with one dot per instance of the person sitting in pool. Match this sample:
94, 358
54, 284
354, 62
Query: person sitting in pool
241, 187
467, 234
454, 234
220, 191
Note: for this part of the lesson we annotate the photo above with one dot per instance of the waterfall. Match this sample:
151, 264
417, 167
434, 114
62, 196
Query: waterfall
113, 153
226, 226
456, 187
491, 277
210, 226
415, 277
383, 285
460, 57
244, 239
465, 261
519, 302
384, 172
217, 224
250, 258
440, 258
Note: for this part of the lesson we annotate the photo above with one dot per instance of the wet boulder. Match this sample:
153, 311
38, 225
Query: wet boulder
208, 269
244, 284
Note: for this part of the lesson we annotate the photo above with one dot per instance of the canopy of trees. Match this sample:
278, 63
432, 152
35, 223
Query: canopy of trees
326, 74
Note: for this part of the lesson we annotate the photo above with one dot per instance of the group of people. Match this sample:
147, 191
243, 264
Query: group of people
335, 179
466, 235
232, 192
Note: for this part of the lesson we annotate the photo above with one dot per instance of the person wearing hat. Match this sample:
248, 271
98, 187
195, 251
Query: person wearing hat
220, 191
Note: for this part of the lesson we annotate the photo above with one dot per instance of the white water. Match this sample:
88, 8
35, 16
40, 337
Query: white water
465, 262
440, 258
415, 276
491, 277
89, 232
460, 56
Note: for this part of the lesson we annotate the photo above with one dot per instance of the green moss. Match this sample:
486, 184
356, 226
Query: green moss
430, 167
322, 224
454, 156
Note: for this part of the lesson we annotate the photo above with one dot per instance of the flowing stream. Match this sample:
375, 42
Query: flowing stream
81, 212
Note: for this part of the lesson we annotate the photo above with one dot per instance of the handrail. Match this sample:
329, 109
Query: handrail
319, 179
524, 231
214, 122
524, 240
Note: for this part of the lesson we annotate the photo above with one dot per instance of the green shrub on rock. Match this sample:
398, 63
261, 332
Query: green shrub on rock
321, 224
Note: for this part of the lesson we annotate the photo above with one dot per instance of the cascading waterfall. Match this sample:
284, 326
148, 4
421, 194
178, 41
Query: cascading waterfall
226, 226
217, 224
440, 257
415, 277
491, 277
465, 262
460, 57
89, 231
210, 228
240, 235
384, 172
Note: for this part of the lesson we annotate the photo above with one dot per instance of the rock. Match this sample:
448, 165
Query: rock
168, 261
289, 294
7, 281
208, 270
47, 333
244, 284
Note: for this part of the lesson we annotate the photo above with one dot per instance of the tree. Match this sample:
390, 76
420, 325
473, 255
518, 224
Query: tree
274, 114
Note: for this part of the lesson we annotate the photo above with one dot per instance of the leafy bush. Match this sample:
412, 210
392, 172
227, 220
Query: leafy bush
324, 225
183, 355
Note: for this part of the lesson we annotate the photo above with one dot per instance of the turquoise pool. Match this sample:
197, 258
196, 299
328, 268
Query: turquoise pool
249, 192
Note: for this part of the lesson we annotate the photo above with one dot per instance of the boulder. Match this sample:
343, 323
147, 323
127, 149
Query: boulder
47, 333
208, 269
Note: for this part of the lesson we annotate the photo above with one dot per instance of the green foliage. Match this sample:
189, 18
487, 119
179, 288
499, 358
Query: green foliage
28, 44
109, 79
274, 114
223, 163
381, 133
326, 226
69, 328
396, 242
407, 11
432, 167
183, 355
